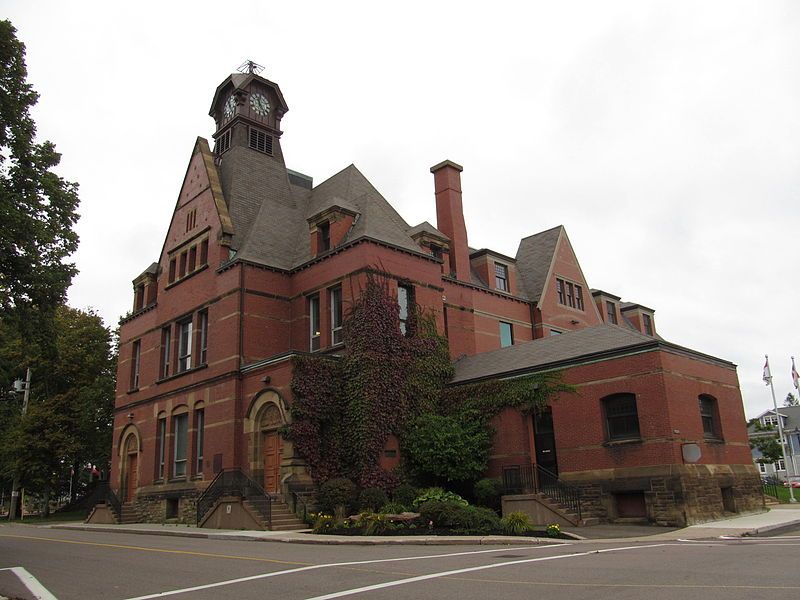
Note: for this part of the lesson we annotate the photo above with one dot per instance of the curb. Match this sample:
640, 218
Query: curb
776, 528
334, 541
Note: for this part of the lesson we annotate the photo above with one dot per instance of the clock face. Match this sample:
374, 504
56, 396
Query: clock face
260, 104
230, 107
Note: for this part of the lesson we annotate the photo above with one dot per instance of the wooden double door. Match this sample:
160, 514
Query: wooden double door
272, 450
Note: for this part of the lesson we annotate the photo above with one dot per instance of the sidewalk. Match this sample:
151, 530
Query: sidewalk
775, 519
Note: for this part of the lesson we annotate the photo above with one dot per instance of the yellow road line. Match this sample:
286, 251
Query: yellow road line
160, 550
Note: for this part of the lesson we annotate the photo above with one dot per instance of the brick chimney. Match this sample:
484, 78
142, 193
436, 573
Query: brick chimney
450, 215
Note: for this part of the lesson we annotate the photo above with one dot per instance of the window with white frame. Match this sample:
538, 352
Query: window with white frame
336, 315
762, 468
313, 321
770, 420
780, 465
184, 345
405, 302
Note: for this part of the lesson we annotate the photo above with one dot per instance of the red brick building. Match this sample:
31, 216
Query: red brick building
259, 265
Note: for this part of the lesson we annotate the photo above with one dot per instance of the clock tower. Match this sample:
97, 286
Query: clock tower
247, 110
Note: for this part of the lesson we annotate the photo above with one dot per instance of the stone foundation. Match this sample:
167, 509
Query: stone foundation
673, 495
153, 505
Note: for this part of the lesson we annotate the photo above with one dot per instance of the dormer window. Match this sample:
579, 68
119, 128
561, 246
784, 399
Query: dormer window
501, 277
436, 251
260, 140
324, 232
648, 324
770, 420
611, 311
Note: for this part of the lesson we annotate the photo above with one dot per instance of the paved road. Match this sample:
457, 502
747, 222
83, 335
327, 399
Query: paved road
76, 565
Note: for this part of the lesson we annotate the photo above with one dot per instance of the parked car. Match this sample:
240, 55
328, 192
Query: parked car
795, 484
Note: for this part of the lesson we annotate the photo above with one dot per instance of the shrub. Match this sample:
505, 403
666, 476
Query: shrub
484, 519
404, 494
554, 530
336, 492
515, 523
392, 508
459, 516
447, 448
437, 494
372, 499
488, 492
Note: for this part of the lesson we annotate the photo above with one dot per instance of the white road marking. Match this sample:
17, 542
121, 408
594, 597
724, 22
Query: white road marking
408, 580
327, 565
29, 581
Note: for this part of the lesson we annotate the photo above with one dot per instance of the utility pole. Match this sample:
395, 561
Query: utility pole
15, 497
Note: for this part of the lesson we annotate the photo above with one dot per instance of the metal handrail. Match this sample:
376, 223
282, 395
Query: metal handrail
300, 502
534, 478
234, 482
113, 502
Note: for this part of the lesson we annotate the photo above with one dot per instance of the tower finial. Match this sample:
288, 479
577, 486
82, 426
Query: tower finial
251, 67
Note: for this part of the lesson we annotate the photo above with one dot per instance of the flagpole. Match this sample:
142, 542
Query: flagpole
787, 464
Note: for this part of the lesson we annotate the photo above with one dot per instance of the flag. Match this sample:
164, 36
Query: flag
767, 375
795, 376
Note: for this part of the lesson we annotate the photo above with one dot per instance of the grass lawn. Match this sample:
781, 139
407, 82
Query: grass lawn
783, 494
66, 517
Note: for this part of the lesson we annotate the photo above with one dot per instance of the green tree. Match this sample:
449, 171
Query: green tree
791, 400
70, 413
37, 207
446, 449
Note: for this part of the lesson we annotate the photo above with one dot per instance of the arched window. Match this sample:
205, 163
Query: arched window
710, 417
622, 418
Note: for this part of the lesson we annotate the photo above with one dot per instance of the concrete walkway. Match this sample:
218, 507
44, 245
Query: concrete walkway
780, 517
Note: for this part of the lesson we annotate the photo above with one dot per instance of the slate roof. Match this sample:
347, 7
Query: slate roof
270, 214
792, 414
427, 228
534, 256
553, 350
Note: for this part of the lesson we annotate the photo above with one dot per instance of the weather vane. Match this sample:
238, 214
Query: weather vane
251, 67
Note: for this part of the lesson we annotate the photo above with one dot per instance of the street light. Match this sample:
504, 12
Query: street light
19, 386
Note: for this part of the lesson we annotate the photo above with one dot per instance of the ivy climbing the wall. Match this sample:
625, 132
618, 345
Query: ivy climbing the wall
387, 383
345, 409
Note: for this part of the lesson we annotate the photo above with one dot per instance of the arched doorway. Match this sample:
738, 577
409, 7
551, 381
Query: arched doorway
130, 471
269, 421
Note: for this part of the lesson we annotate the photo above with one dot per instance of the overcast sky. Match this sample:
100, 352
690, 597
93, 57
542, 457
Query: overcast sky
665, 136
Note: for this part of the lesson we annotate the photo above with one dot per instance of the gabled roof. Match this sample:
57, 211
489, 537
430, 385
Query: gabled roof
534, 257
426, 227
376, 219
560, 351
791, 415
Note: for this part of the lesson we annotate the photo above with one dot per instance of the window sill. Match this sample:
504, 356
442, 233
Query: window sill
176, 375
183, 479
625, 442
714, 440
199, 269
133, 390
